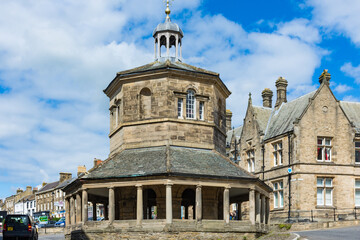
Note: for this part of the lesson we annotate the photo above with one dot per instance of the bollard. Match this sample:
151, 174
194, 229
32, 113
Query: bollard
312, 216
334, 215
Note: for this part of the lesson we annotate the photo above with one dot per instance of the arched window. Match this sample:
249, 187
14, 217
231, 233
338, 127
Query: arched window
190, 104
145, 103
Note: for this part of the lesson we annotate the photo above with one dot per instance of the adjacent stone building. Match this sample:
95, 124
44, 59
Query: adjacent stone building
167, 175
51, 198
307, 150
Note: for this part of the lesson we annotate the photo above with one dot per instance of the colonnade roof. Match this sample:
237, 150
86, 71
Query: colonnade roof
168, 161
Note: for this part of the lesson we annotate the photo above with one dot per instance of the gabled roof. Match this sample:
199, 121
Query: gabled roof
352, 111
262, 115
49, 186
282, 119
233, 132
168, 161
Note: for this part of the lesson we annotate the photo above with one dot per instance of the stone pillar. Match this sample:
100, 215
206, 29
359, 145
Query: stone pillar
262, 214
94, 211
85, 206
181, 50
198, 203
226, 205
169, 217
139, 205
78, 208
72, 210
111, 205
257, 207
252, 206
67, 212
267, 212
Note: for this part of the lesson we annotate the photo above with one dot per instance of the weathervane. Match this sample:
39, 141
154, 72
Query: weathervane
167, 10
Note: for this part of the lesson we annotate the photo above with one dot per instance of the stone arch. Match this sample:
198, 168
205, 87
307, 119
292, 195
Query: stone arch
188, 203
145, 103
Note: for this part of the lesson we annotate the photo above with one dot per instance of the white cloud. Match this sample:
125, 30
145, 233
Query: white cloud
342, 88
300, 28
351, 71
338, 16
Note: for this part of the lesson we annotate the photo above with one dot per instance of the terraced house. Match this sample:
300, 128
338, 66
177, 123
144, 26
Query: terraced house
307, 149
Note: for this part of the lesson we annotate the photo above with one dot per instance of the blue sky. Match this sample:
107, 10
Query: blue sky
56, 57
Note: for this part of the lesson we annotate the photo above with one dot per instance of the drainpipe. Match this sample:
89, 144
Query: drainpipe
289, 175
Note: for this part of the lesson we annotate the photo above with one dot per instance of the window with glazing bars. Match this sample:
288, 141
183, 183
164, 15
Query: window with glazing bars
324, 149
190, 104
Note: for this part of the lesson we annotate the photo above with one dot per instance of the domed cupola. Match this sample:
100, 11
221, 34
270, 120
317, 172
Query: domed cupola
170, 35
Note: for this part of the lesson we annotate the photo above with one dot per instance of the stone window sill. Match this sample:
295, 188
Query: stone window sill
278, 209
325, 207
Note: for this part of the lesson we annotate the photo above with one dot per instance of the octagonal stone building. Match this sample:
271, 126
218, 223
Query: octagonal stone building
167, 174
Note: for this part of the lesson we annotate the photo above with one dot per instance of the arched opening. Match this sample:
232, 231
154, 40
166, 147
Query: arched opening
145, 103
162, 46
172, 46
150, 207
190, 104
188, 204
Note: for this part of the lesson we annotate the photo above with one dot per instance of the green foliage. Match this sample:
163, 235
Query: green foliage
285, 225
244, 238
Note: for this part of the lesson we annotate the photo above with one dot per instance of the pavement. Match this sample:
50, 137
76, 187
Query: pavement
348, 233
47, 237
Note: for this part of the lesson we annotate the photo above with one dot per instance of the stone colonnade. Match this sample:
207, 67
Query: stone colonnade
259, 206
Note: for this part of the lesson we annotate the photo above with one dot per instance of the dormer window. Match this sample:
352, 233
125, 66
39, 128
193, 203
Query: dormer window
190, 104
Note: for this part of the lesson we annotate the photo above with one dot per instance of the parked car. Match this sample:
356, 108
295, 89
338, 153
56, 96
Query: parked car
60, 223
19, 226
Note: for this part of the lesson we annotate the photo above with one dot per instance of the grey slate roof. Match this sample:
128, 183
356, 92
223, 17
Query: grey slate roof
49, 186
352, 111
168, 160
282, 119
262, 116
65, 183
236, 131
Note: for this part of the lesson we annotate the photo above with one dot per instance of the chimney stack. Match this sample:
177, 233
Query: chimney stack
19, 190
267, 95
80, 170
228, 119
65, 176
97, 162
281, 85
325, 77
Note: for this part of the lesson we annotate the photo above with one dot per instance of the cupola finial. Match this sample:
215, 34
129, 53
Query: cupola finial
167, 11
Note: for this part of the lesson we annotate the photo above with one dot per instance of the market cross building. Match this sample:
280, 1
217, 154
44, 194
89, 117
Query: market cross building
167, 174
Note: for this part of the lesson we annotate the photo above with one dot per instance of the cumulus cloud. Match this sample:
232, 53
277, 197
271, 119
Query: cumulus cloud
337, 17
342, 88
351, 71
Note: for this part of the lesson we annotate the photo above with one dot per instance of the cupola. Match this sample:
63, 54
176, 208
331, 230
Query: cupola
170, 35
